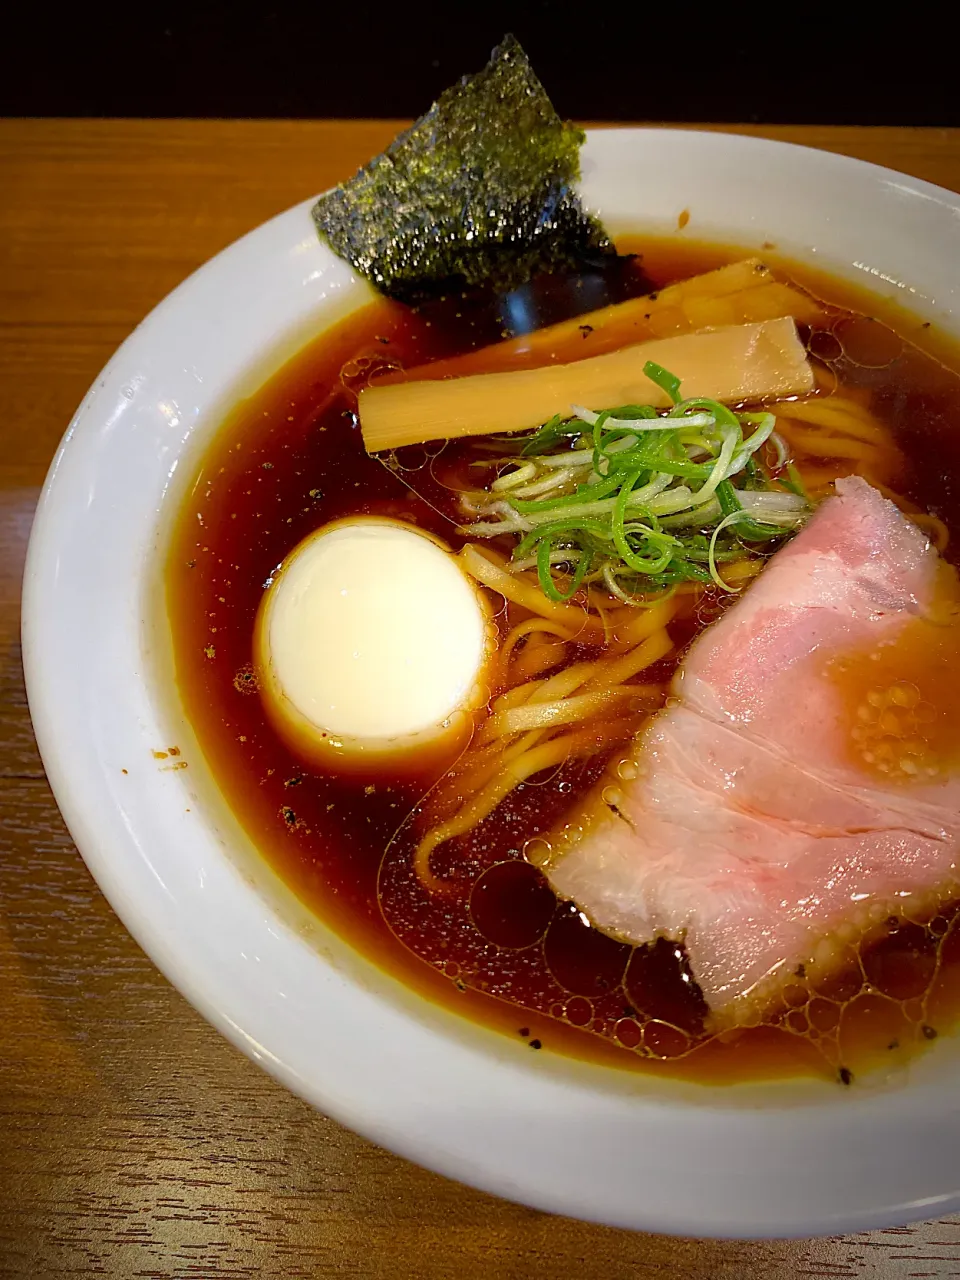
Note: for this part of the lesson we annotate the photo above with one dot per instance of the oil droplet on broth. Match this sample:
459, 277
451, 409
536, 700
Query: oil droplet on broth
584, 961
867, 343
537, 851
512, 904
578, 1011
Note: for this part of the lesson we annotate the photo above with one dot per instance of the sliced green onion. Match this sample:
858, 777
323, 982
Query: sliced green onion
579, 495
667, 382
752, 530
639, 602
678, 498
641, 499
545, 573
650, 421
549, 435
712, 558
557, 480
757, 438
794, 483
720, 467
521, 473
703, 404
570, 527
694, 518
639, 564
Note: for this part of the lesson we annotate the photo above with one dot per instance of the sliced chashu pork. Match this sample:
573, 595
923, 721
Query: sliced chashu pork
806, 781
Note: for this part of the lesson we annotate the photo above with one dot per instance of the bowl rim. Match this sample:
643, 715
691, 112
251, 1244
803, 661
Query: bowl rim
111, 854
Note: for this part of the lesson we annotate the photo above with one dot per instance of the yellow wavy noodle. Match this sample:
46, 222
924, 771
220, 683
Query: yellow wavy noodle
840, 432
540, 654
525, 628
490, 569
531, 728
739, 571
933, 527
824, 444
843, 416
543, 756
844, 429
630, 626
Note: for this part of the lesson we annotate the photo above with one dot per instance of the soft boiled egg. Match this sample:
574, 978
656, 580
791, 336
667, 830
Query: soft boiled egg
370, 646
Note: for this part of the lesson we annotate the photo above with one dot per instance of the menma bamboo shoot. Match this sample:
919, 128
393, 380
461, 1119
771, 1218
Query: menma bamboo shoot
735, 364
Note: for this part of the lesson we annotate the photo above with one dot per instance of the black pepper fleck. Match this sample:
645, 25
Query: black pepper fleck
524, 1031
845, 1075
535, 1044
800, 971
929, 1033
288, 815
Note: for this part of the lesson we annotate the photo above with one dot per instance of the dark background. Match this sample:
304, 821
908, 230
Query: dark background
786, 63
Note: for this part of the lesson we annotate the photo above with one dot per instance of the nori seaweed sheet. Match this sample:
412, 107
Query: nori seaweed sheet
480, 191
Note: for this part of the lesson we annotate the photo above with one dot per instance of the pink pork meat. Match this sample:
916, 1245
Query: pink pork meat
806, 781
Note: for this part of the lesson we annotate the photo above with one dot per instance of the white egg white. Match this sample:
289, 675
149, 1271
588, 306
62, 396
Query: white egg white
371, 644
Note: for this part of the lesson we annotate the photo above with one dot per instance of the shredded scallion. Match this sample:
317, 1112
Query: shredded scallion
638, 500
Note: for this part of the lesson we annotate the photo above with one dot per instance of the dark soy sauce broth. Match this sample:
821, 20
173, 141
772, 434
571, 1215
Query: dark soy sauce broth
501, 949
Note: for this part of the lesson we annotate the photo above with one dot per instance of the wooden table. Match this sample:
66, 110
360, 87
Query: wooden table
134, 1141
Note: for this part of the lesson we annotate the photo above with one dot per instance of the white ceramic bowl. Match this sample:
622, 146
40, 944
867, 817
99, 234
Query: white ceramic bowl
601, 1144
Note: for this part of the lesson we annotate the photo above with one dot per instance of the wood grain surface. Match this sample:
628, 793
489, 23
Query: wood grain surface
133, 1140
